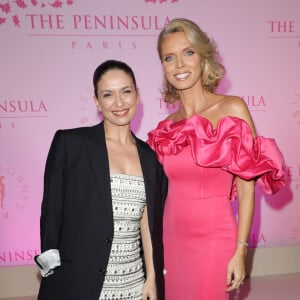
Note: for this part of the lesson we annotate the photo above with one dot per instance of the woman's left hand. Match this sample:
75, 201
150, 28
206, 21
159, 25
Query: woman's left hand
149, 290
236, 270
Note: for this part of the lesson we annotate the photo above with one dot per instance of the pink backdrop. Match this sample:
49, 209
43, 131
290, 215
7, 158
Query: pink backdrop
49, 50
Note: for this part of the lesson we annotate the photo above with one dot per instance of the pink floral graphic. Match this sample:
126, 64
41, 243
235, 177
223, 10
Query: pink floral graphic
57, 4
17, 6
5, 7
16, 20
21, 3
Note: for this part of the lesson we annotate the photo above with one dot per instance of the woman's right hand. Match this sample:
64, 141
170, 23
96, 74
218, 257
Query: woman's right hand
149, 290
236, 271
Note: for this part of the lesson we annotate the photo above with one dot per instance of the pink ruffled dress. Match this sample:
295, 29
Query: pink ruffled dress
200, 230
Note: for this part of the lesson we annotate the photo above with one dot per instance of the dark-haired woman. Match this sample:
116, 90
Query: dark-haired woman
101, 218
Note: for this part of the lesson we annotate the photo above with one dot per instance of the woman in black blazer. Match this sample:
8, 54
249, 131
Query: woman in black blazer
103, 193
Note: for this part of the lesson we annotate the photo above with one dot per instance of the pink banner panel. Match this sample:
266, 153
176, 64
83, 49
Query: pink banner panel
50, 49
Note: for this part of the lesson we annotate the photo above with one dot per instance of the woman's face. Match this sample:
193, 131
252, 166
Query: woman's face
180, 61
117, 97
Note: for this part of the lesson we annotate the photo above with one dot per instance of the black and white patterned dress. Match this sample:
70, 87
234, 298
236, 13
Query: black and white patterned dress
125, 276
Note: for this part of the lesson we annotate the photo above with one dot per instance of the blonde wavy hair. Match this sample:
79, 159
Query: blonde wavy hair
212, 71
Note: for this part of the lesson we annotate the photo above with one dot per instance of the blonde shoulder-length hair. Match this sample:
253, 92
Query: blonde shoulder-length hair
212, 71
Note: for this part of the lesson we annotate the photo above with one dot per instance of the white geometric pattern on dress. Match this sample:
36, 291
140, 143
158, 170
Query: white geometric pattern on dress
125, 276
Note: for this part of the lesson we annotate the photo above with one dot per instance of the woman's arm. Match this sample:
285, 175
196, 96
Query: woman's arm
236, 268
52, 207
245, 193
149, 289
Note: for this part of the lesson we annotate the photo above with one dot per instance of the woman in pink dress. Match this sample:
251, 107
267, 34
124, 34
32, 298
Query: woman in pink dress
210, 153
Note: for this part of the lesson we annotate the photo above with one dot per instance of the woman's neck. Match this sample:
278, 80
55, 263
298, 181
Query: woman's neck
193, 101
118, 134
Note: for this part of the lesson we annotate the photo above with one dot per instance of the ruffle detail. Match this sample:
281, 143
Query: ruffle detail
229, 146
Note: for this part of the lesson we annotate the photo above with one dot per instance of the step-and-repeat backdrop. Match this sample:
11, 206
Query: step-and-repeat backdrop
50, 49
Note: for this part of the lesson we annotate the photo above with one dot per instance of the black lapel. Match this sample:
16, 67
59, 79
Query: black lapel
147, 169
99, 158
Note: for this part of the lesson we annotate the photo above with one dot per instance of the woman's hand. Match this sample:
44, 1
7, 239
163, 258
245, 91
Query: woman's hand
236, 269
149, 290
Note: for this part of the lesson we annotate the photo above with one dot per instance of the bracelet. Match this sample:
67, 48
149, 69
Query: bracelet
242, 243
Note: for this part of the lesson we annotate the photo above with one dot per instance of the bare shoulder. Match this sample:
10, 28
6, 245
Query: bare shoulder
175, 116
170, 117
236, 107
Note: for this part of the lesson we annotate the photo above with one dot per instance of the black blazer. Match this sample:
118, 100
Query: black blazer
77, 218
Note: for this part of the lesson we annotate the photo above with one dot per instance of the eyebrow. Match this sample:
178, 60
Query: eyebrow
184, 49
121, 89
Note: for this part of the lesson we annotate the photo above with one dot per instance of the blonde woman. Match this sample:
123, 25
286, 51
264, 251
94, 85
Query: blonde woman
210, 153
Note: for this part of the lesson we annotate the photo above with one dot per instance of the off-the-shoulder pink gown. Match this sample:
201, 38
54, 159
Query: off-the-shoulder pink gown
200, 230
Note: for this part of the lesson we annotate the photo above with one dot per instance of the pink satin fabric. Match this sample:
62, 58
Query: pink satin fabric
199, 227
229, 146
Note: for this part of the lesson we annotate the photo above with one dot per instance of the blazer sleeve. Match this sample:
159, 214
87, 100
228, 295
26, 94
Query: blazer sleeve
53, 197
52, 206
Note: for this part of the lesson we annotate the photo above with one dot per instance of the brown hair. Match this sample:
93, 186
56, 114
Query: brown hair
111, 65
212, 69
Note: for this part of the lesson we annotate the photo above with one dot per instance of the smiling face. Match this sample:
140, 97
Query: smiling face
117, 97
180, 61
